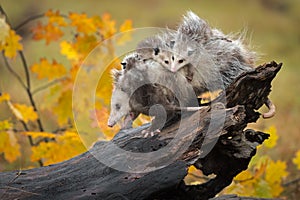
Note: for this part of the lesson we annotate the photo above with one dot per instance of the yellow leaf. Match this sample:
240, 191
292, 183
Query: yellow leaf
142, 119
244, 176
23, 112
4, 27
126, 26
263, 189
4, 97
272, 141
12, 44
63, 108
296, 160
5, 125
125, 35
55, 17
48, 32
68, 50
44, 69
9, 146
67, 144
276, 171
85, 44
83, 23
35, 135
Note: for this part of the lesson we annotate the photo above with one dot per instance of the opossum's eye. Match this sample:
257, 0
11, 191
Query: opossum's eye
118, 107
167, 62
180, 61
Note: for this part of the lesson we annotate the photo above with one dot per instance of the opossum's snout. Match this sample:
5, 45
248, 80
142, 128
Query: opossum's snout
173, 68
111, 123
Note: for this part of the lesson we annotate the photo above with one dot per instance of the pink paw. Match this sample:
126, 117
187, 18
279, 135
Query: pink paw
149, 132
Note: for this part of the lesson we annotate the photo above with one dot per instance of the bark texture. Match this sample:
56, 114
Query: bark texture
220, 146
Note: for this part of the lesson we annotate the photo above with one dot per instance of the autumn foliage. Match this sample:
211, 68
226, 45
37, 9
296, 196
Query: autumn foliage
84, 34
76, 35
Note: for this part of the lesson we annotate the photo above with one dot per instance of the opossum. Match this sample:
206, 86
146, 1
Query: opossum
142, 85
208, 58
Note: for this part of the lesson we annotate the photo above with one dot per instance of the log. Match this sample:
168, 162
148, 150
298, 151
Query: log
213, 139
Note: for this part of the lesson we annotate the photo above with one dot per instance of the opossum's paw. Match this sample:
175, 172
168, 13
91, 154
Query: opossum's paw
146, 133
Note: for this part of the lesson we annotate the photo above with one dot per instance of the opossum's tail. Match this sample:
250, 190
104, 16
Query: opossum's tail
272, 109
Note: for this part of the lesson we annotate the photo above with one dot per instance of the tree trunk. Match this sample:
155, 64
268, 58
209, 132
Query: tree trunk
212, 139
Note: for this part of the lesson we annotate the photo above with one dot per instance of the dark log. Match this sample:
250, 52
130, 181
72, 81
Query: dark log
220, 146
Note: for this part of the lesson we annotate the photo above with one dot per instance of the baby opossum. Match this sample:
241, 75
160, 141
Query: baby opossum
142, 85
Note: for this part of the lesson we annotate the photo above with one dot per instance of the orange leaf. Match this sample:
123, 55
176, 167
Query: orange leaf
55, 17
48, 32
107, 26
125, 35
83, 23
44, 69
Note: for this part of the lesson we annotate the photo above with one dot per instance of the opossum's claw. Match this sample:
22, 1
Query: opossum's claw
146, 133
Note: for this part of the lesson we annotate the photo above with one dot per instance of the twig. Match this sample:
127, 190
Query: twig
4, 13
47, 85
28, 90
33, 18
26, 87
291, 182
29, 20
10, 69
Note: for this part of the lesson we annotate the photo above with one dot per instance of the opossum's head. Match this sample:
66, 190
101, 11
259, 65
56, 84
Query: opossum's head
119, 107
173, 58
182, 54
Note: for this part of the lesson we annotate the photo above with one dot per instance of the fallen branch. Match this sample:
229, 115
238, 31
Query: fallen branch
221, 146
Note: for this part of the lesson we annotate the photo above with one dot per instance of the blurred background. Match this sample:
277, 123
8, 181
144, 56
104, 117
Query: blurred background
273, 30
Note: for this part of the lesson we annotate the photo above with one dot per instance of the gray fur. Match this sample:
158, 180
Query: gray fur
193, 55
195, 28
144, 84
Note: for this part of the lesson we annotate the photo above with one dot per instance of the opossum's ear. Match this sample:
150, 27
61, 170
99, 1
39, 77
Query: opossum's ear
156, 51
190, 52
116, 74
123, 65
172, 43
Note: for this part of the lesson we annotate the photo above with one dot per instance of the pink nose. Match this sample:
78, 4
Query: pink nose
173, 69
110, 124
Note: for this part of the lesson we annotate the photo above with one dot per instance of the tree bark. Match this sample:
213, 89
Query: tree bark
224, 149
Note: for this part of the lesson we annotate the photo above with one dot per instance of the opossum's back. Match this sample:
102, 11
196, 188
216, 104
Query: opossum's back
151, 94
